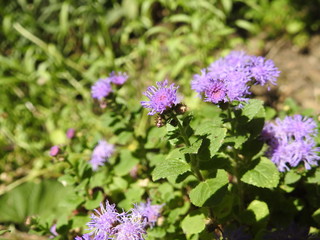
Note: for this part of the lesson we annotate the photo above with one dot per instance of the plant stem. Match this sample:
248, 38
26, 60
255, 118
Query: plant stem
236, 162
193, 159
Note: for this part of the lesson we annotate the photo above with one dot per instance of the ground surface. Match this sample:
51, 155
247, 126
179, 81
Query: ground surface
300, 72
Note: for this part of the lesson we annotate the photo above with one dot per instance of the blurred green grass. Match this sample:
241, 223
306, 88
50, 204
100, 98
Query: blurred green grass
52, 52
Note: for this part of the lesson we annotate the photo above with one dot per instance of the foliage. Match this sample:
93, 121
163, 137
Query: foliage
206, 166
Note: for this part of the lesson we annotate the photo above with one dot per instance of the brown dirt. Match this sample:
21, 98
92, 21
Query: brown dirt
300, 73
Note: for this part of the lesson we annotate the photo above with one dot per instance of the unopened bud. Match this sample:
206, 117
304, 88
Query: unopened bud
181, 108
54, 151
160, 121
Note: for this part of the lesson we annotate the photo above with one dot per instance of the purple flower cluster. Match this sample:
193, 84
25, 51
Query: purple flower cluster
101, 153
291, 141
162, 97
102, 88
109, 224
228, 79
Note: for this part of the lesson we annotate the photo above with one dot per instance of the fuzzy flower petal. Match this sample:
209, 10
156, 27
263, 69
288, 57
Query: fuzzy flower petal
130, 228
150, 212
100, 154
263, 71
102, 88
162, 97
229, 79
118, 78
102, 222
291, 142
83, 237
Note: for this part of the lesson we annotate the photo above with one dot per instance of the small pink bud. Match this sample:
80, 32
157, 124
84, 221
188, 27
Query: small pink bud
54, 150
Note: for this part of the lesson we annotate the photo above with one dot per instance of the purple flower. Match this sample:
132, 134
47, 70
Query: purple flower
263, 71
150, 212
70, 133
100, 154
228, 79
83, 237
53, 231
118, 78
54, 150
130, 227
102, 222
162, 97
291, 141
102, 88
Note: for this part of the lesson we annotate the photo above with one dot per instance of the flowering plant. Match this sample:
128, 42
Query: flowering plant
230, 169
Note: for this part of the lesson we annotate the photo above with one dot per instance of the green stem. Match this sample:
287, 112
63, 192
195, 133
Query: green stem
193, 159
236, 163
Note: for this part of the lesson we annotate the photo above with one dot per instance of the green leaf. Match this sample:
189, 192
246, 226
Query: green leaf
316, 215
175, 213
256, 214
209, 189
170, 167
155, 233
265, 174
259, 208
237, 140
127, 162
291, 177
95, 201
252, 108
315, 178
43, 199
215, 134
193, 148
193, 223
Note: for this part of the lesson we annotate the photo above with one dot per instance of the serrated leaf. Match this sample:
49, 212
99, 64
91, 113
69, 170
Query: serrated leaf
193, 148
265, 174
193, 223
237, 140
207, 189
215, 134
252, 108
169, 168
216, 139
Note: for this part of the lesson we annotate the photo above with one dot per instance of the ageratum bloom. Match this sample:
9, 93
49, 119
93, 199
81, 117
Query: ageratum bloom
118, 78
101, 89
263, 71
101, 153
149, 212
83, 237
103, 221
229, 79
291, 141
130, 227
162, 97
